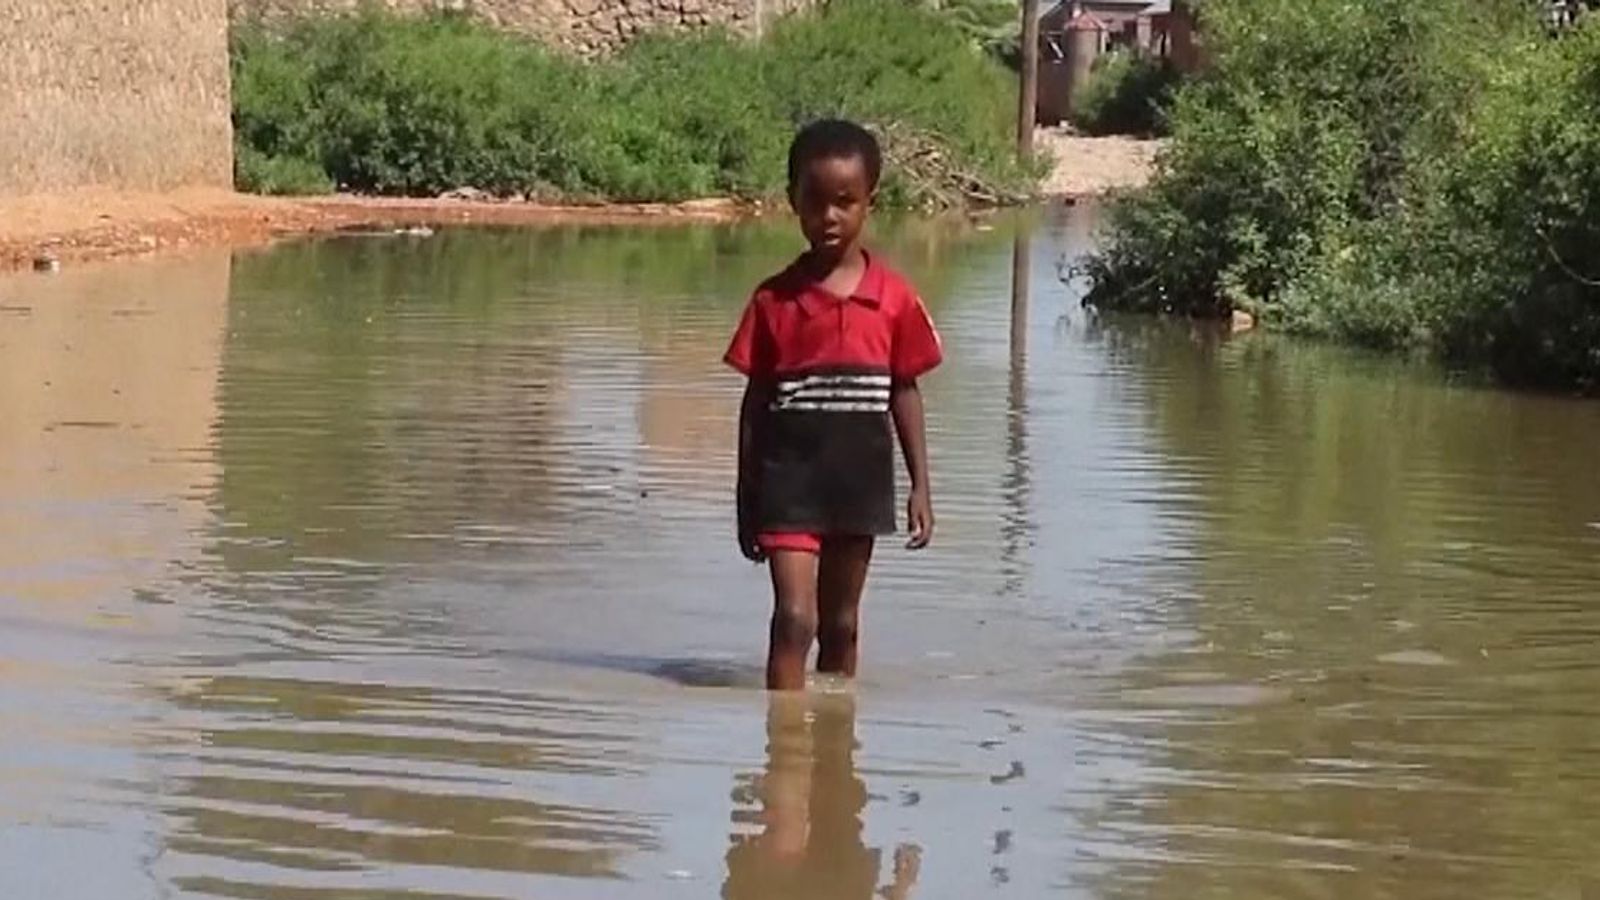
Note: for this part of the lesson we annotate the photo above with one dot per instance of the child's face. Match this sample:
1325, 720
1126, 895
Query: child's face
832, 198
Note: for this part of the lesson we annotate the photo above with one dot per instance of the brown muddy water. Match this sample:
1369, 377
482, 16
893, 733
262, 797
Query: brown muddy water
380, 568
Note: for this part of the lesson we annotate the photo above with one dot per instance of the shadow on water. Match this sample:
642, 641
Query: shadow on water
684, 671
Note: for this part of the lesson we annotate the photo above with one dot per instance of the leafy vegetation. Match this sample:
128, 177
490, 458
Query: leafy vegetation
417, 106
1385, 172
993, 26
1127, 93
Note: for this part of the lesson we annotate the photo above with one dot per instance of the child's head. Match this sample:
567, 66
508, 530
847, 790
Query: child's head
834, 167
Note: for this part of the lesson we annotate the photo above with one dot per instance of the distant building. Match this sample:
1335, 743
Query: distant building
1563, 14
1073, 34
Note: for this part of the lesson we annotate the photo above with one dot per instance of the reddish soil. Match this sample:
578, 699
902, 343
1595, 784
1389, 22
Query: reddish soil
78, 226
47, 231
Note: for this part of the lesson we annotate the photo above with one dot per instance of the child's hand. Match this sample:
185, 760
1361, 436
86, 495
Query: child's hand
919, 519
750, 547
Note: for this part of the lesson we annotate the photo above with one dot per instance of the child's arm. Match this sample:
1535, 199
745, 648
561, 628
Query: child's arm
910, 425
751, 412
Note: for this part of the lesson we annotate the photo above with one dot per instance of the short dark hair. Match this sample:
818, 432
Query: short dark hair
834, 139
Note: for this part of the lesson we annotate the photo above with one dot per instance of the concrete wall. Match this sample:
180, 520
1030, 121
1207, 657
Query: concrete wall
129, 94
586, 27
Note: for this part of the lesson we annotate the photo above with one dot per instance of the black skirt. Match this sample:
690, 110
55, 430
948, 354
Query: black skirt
827, 456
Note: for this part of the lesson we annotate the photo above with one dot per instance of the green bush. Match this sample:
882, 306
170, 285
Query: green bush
883, 62
416, 106
992, 26
1127, 93
693, 111
1383, 172
1301, 127
1506, 225
284, 175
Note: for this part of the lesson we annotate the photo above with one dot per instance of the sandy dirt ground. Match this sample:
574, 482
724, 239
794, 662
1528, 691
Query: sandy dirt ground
1089, 166
50, 231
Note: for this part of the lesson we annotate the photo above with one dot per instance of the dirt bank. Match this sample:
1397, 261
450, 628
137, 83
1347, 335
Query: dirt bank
61, 229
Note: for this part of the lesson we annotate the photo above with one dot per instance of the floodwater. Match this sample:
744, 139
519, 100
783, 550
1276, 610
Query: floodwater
402, 567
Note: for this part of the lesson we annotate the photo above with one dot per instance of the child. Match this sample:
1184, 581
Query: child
832, 346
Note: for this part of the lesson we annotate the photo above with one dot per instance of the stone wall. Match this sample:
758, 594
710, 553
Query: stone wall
129, 94
585, 27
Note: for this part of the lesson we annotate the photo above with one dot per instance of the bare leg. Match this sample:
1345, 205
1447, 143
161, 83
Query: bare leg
842, 574
794, 618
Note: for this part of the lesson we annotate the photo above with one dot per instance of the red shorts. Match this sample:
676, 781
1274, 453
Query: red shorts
797, 541
793, 541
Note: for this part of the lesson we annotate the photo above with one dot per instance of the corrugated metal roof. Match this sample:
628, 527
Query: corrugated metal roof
1142, 7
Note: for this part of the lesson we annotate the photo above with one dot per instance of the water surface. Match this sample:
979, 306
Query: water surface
402, 567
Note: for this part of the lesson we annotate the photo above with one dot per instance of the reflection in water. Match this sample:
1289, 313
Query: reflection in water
1393, 598
107, 402
107, 407
810, 801
1016, 530
335, 778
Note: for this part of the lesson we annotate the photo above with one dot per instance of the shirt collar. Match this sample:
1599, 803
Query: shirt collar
869, 291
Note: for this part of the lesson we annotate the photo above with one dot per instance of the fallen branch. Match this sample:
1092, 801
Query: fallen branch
933, 179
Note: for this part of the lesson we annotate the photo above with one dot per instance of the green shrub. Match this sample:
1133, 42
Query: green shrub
258, 173
1127, 93
1301, 126
992, 26
696, 111
883, 62
1506, 225
1384, 172
409, 106
416, 106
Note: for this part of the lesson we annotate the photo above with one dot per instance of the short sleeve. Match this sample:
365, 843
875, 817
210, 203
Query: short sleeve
750, 351
915, 348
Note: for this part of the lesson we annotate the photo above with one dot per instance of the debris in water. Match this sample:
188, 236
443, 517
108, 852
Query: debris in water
1016, 772
467, 195
1415, 658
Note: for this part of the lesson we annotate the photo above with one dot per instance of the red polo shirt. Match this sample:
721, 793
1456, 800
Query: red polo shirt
825, 446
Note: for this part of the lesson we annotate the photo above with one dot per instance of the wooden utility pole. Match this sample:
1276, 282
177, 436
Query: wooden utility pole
1028, 92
